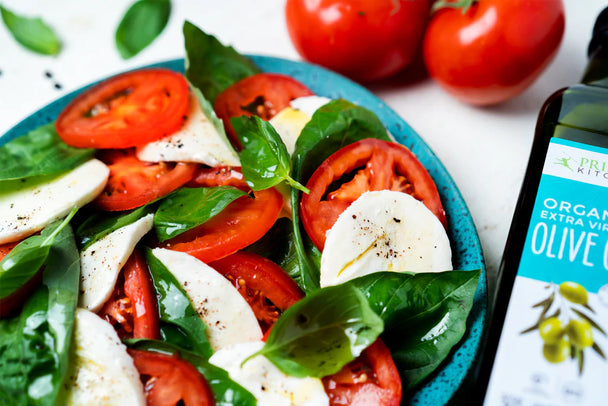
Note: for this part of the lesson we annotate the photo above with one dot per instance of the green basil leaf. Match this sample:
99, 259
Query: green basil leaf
225, 391
265, 161
211, 66
321, 333
33, 33
26, 258
424, 316
34, 345
209, 112
141, 24
190, 207
180, 324
39, 152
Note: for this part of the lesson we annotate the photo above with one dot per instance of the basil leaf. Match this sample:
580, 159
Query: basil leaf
265, 161
225, 391
33, 33
211, 66
34, 345
179, 322
190, 207
141, 24
209, 112
39, 152
26, 258
424, 316
321, 333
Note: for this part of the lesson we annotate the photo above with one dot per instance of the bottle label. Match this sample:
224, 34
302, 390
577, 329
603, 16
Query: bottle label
553, 349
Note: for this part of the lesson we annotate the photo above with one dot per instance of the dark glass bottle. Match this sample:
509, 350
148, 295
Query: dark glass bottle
546, 341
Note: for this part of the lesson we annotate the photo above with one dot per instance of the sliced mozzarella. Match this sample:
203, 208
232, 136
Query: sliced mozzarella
309, 104
265, 381
102, 372
32, 207
102, 261
197, 141
228, 316
384, 231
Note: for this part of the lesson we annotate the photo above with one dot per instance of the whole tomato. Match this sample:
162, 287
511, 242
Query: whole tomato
362, 39
494, 50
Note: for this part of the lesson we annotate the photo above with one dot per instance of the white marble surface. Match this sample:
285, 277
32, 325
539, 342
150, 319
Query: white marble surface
485, 150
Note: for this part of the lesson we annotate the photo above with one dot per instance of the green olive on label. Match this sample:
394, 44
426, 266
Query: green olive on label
580, 333
551, 330
557, 352
574, 292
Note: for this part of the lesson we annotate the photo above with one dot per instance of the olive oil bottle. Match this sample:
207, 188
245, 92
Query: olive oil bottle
547, 340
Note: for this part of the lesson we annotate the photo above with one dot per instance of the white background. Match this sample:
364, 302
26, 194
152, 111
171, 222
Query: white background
484, 149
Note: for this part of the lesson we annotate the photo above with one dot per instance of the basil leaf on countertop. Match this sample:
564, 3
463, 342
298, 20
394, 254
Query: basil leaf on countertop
141, 24
212, 66
34, 345
225, 391
265, 161
424, 316
189, 207
39, 152
322, 332
26, 258
33, 33
180, 324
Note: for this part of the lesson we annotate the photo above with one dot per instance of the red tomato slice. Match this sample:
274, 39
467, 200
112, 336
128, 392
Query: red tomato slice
366, 165
127, 110
371, 379
263, 95
219, 176
133, 183
241, 223
16, 299
132, 308
265, 285
169, 380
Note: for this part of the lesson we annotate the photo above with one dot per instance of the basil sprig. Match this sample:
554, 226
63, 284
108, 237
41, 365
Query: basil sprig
33, 33
141, 24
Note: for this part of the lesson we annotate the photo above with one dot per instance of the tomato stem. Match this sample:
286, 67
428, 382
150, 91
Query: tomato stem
461, 4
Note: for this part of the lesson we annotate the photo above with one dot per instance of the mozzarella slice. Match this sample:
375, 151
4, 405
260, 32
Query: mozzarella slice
228, 316
197, 141
32, 207
384, 231
102, 261
102, 373
265, 381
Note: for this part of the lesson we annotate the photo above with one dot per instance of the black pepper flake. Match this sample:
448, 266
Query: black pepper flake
354, 216
396, 220
58, 86
361, 13
302, 319
48, 74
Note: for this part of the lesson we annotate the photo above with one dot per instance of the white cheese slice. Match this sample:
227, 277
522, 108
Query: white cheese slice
228, 316
265, 381
384, 231
102, 261
196, 141
30, 208
102, 371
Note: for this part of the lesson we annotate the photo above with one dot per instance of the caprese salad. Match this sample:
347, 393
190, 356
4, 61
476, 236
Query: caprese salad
223, 236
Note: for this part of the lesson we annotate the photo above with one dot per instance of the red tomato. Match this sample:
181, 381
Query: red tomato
241, 223
495, 50
133, 183
16, 299
263, 95
219, 176
366, 165
371, 379
265, 285
364, 40
127, 110
132, 308
169, 380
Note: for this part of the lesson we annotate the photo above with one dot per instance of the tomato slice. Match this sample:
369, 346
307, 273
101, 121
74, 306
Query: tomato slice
219, 176
263, 95
16, 299
132, 308
268, 289
371, 379
169, 380
241, 223
133, 183
127, 110
367, 165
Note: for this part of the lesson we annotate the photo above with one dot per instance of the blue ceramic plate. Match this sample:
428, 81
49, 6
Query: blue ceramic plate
466, 249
